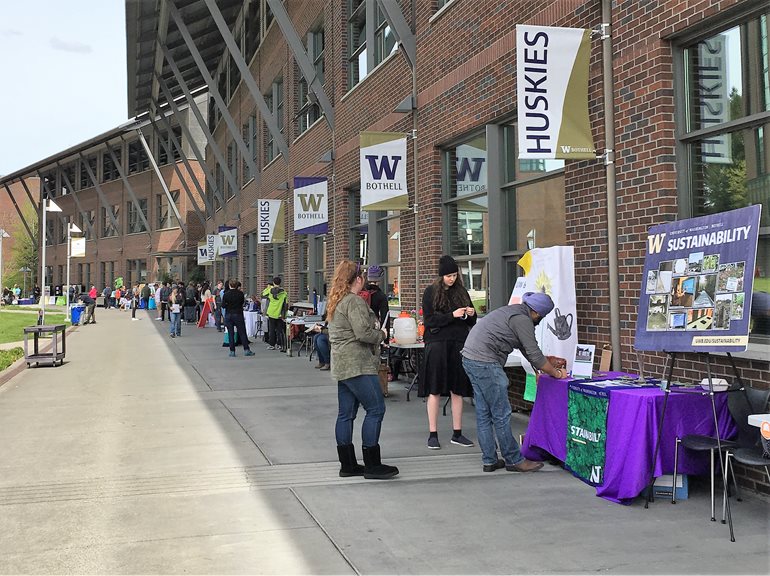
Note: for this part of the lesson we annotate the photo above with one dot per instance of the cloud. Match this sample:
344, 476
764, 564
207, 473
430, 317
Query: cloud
65, 46
11, 32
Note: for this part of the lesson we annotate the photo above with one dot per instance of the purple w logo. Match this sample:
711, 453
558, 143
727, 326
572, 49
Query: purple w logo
390, 171
464, 166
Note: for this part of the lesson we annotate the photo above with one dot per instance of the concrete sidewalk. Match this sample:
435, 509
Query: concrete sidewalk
146, 454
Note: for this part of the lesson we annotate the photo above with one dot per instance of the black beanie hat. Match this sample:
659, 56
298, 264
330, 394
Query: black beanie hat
447, 265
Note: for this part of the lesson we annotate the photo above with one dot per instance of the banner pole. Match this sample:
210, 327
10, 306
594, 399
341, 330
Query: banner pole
609, 163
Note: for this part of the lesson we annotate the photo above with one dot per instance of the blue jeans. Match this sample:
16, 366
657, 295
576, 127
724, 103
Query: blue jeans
176, 323
493, 411
363, 390
323, 348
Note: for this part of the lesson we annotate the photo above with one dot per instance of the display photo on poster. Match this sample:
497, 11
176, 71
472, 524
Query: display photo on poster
696, 276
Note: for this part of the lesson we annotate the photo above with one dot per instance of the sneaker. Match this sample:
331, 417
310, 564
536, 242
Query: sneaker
248, 353
496, 466
159, 318
433, 443
232, 354
525, 466
462, 441
173, 336
324, 368
270, 347
320, 366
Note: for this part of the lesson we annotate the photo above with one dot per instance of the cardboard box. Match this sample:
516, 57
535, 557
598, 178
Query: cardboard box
663, 486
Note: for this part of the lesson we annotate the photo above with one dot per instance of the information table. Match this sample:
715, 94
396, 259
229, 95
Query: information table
632, 430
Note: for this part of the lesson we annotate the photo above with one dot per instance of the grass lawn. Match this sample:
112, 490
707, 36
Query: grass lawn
12, 324
8, 357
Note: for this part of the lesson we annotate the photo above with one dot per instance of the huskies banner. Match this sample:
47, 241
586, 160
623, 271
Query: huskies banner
383, 171
227, 242
311, 205
697, 283
587, 432
552, 92
271, 228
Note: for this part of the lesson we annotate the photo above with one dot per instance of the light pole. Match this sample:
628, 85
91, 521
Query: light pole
48, 206
70, 229
25, 270
3, 234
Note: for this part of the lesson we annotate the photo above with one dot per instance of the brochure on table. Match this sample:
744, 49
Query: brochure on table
697, 283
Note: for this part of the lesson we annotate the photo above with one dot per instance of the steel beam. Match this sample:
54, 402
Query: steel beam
77, 202
196, 151
18, 211
47, 193
100, 193
178, 145
130, 191
29, 194
400, 27
163, 184
170, 153
204, 126
213, 91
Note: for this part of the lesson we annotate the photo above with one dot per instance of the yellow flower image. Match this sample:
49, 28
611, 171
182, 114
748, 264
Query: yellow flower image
543, 283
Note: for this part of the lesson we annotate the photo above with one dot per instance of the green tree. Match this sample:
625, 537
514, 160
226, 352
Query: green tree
25, 252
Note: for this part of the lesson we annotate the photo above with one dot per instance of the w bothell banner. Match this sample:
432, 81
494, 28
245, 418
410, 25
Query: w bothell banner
271, 228
311, 205
550, 270
552, 92
383, 171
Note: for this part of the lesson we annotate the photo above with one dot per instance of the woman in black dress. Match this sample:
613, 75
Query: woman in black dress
449, 315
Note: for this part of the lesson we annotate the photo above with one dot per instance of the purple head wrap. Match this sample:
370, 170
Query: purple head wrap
540, 302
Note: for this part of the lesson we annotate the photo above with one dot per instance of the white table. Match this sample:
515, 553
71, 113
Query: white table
254, 323
419, 348
758, 419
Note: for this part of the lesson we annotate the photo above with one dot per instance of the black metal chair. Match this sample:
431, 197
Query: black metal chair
740, 402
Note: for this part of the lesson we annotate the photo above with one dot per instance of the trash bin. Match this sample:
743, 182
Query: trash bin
75, 312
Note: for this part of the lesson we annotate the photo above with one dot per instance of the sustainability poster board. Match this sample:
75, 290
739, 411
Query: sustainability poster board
697, 283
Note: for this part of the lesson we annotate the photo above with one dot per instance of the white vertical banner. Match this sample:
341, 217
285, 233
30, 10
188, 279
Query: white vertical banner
271, 228
552, 92
78, 247
551, 270
383, 171
311, 205
227, 241
203, 254
211, 247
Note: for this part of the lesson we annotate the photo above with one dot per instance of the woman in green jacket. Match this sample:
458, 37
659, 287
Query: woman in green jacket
355, 336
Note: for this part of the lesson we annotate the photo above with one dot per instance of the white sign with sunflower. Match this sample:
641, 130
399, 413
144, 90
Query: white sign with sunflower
550, 270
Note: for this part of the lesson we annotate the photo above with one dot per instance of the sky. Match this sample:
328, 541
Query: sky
62, 76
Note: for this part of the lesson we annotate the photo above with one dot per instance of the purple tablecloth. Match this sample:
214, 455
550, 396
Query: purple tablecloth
632, 430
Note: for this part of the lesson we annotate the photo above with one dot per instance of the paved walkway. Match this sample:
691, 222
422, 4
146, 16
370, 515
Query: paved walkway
143, 454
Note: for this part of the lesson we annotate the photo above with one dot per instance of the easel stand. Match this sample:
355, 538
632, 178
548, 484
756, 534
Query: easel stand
670, 361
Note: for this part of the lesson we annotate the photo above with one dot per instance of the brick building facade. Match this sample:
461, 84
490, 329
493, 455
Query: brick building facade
465, 86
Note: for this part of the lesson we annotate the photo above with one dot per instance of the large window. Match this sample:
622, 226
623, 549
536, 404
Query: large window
308, 110
360, 61
232, 166
726, 122
135, 222
85, 178
274, 101
165, 145
250, 138
108, 228
166, 216
109, 169
137, 157
86, 224
385, 250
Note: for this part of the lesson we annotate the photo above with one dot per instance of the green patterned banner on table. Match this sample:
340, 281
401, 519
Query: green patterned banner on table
587, 432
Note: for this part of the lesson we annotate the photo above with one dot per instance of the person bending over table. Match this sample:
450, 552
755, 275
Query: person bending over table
355, 337
449, 316
486, 349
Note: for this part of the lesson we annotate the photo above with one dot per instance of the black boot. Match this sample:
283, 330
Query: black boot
374, 469
350, 467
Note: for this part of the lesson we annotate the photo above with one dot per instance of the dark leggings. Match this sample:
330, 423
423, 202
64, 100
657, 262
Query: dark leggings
235, 320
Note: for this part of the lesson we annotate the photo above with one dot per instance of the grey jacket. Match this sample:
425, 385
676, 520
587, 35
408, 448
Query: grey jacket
354, 339
496, 335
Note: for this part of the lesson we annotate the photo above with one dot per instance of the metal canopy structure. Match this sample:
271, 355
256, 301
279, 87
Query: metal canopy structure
148, 26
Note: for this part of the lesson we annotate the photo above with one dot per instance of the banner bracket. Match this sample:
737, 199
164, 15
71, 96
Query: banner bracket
413, 134
608, 156
603, 31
